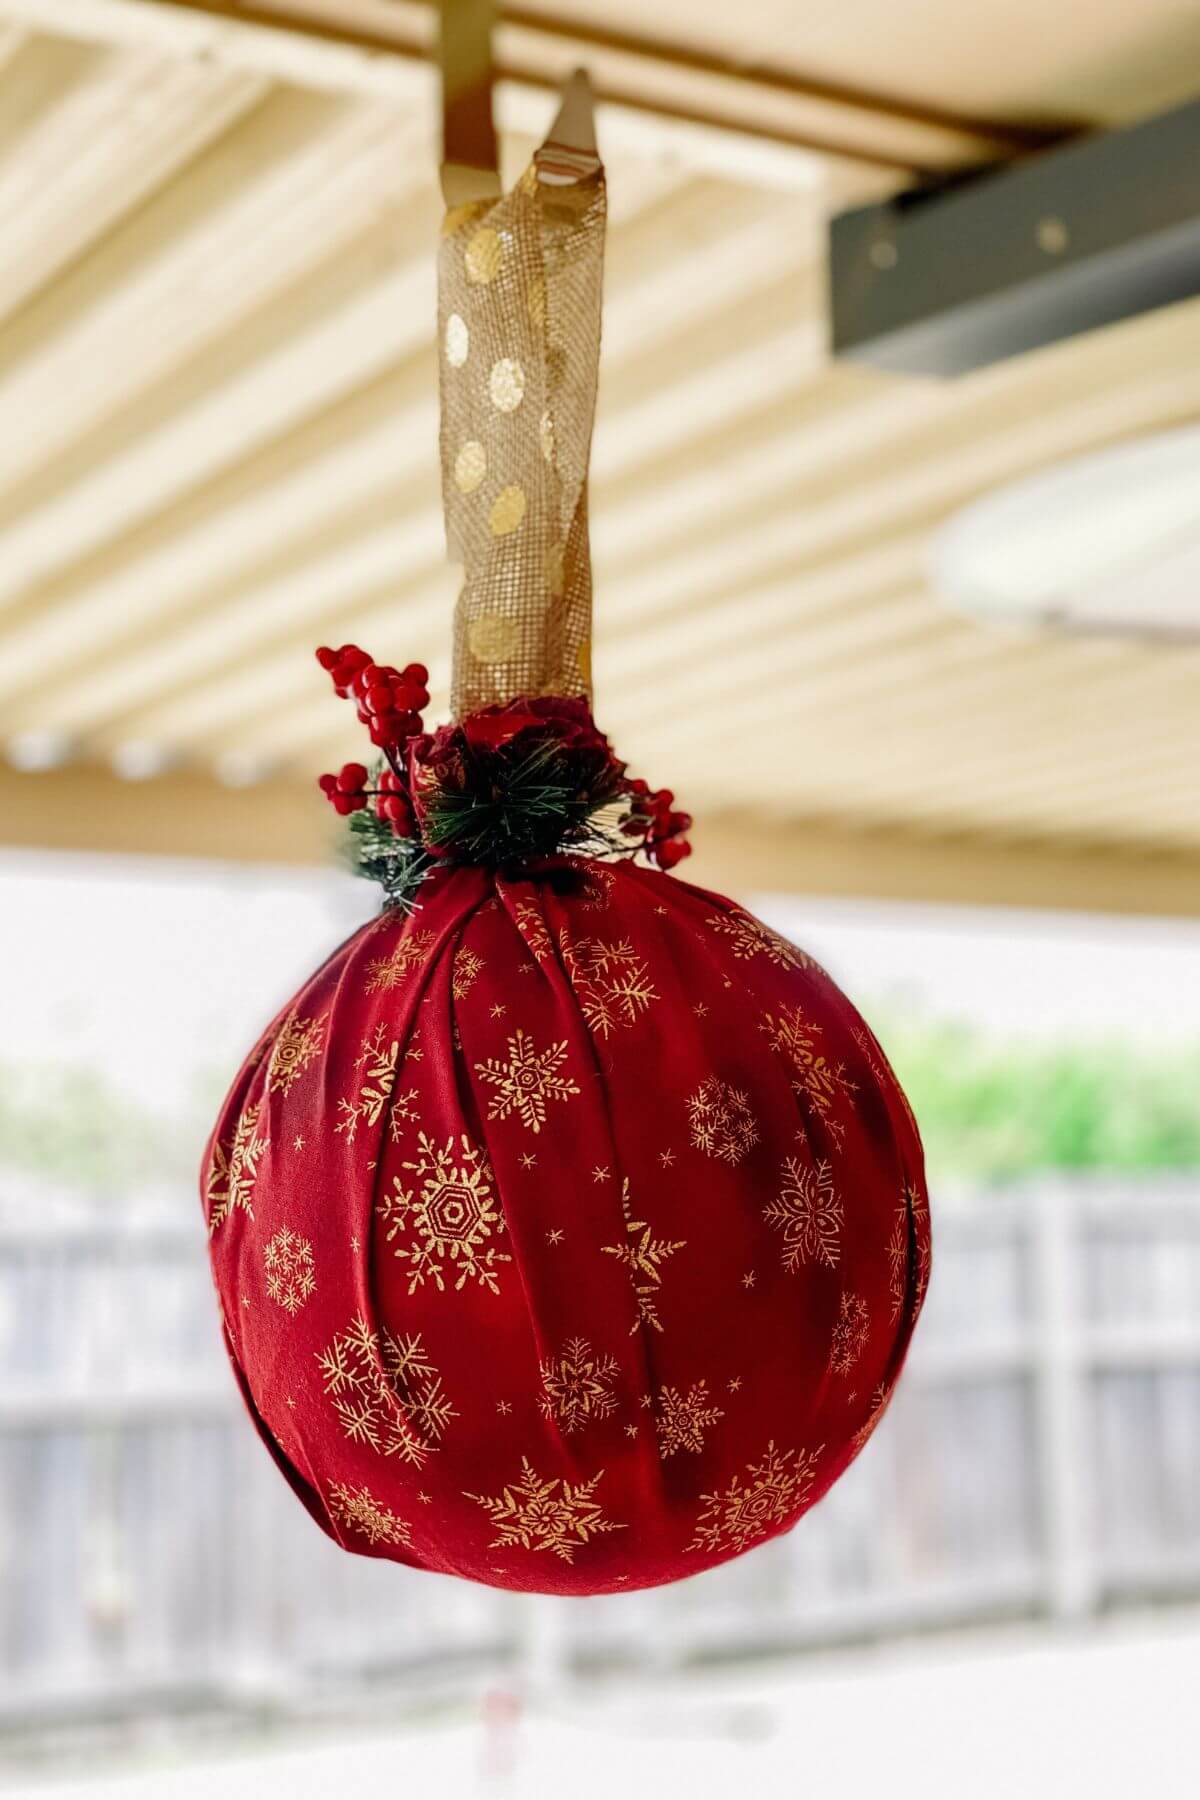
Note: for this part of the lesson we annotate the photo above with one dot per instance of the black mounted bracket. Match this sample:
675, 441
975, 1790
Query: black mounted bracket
940, 280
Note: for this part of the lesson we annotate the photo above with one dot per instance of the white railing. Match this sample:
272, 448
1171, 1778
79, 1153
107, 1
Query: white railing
1041, 1458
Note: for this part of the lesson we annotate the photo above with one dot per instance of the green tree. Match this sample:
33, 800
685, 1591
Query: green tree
990, 1107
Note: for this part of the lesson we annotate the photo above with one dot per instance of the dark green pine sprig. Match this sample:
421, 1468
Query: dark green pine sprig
398, 864
510, 806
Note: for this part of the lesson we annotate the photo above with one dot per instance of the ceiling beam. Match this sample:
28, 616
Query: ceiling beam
189, 815
815, 857
765, 122
68, 176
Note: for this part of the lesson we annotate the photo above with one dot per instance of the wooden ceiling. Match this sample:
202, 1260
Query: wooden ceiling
218, 392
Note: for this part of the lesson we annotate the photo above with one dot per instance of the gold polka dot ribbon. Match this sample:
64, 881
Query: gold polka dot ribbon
519, 281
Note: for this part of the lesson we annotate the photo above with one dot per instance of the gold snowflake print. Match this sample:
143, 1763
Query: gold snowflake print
611, 982
357, 1509
750, 937
884, 1074
467, 965
553, 1515
233, 1169
527, 1080
682, 1419
809, 1214
880, 1401
385, 972
643, 1257
578, 1386
299, 1041
814, 1077
532, 926
291, 1278
378, 1060
448, 1222
596, 884
721, 1121
897, 1252
851, 1329
912, 1215
386, 1392
772, 1490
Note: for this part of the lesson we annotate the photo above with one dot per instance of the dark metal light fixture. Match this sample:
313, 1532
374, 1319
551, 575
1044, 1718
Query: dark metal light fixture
940, 280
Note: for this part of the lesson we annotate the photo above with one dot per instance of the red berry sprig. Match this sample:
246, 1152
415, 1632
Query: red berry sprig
393, 804
660, 827
346, 791
390, 701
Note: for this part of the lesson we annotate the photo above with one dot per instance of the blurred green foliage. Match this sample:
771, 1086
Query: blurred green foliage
987, 1108
72, 1125
993, 1108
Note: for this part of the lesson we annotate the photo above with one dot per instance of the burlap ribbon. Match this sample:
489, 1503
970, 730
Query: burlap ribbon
519, 289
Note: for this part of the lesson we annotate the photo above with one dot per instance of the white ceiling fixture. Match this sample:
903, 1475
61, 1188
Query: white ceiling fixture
32, 752
242, 768
138, 759
1107, 543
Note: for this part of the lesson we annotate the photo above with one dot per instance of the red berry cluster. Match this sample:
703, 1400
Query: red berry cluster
389, 703
389, 700
393, 804
347, 791
664, 841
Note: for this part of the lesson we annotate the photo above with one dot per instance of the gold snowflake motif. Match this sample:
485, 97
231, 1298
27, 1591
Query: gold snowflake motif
918, 1207
773, 1490
553, 1515
299, 1041
880, 1401
526, 1081
643, 1258
814, 1077
596, 885
385, 972
749, 937
883, 1074
577, 1386
449, 1221
378, 1060
463, 971
809, 1214
682, 1419
897, 1252
531, 924
358, 1510
912, 1214
291, 1278
721, 1121
386, 1392
233, 1169
851, 1329
611, 981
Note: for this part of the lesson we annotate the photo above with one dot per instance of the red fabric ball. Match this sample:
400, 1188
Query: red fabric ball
569, 1235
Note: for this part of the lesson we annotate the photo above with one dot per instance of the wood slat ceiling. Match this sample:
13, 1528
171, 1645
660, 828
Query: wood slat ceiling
218, 394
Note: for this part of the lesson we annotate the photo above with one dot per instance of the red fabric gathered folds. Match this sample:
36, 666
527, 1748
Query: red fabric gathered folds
569, 1234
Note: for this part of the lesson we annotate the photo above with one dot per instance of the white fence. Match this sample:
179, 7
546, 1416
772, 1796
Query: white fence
1042, 1457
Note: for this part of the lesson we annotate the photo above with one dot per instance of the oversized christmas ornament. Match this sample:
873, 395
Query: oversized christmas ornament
569, 1226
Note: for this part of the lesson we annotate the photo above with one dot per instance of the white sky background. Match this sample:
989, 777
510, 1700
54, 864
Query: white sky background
153, 971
